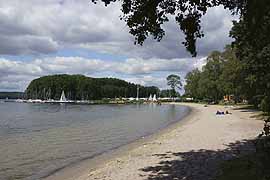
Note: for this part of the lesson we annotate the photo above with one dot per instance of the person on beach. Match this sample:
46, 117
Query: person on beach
220, 113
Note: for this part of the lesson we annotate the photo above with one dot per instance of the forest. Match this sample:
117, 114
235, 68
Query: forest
224, 74
80, 87
11, 95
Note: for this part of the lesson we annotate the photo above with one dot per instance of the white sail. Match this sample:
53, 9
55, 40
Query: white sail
150, 98
137, 98
155, 97
63, 97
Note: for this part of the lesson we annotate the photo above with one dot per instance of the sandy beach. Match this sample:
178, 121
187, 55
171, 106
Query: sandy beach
192, 149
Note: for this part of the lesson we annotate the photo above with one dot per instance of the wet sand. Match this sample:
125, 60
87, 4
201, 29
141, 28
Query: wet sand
192, 149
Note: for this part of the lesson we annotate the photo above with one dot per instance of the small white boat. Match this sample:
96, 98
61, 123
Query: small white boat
154, 98
20, 100
150, 98
63, 99
37, 101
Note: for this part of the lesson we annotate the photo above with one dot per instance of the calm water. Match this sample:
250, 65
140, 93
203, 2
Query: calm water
38, 139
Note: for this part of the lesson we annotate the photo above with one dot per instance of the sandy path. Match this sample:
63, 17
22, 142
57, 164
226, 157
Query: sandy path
191, 151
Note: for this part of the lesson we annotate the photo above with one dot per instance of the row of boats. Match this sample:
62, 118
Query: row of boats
63, 99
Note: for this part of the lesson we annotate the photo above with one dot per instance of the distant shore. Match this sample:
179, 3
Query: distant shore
88, 102
192, 149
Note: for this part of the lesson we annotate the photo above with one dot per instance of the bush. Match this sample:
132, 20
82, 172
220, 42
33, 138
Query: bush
265, 105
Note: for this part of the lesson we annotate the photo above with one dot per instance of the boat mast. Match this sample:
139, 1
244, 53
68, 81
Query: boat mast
137, 93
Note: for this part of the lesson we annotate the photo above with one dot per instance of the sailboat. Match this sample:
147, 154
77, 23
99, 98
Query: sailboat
154, 98
150, 98
63, 97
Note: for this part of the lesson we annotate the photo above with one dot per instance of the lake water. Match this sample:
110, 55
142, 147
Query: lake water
39, 139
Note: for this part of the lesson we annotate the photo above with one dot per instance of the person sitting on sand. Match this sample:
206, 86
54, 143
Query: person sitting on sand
220, 113
227, 112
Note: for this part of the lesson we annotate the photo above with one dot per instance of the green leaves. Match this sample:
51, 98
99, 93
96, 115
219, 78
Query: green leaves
192, 84
220, 76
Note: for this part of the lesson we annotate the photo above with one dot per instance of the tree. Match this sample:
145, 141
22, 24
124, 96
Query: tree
252, 47
210, 84
220, 76
167, 93
192, 84
146, 17
174, 82
231, 77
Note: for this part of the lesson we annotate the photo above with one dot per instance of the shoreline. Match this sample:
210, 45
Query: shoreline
93, 163
127, 162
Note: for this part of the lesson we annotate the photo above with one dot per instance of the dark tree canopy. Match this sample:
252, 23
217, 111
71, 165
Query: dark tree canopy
146, 17
79, 87
11, 95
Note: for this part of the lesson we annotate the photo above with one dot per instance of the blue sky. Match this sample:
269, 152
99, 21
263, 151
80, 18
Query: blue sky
49, 37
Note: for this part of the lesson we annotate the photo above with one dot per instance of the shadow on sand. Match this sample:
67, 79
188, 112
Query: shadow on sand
251, 109
254, 113
195, 165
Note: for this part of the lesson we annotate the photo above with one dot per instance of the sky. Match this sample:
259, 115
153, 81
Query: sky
47, 37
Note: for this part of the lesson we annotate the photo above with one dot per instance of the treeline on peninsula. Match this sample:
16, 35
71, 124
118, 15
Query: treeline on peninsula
11, 95
80, 87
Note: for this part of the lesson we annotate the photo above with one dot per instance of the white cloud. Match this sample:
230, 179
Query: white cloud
36, 27
149, 80
142, 71
42, 27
